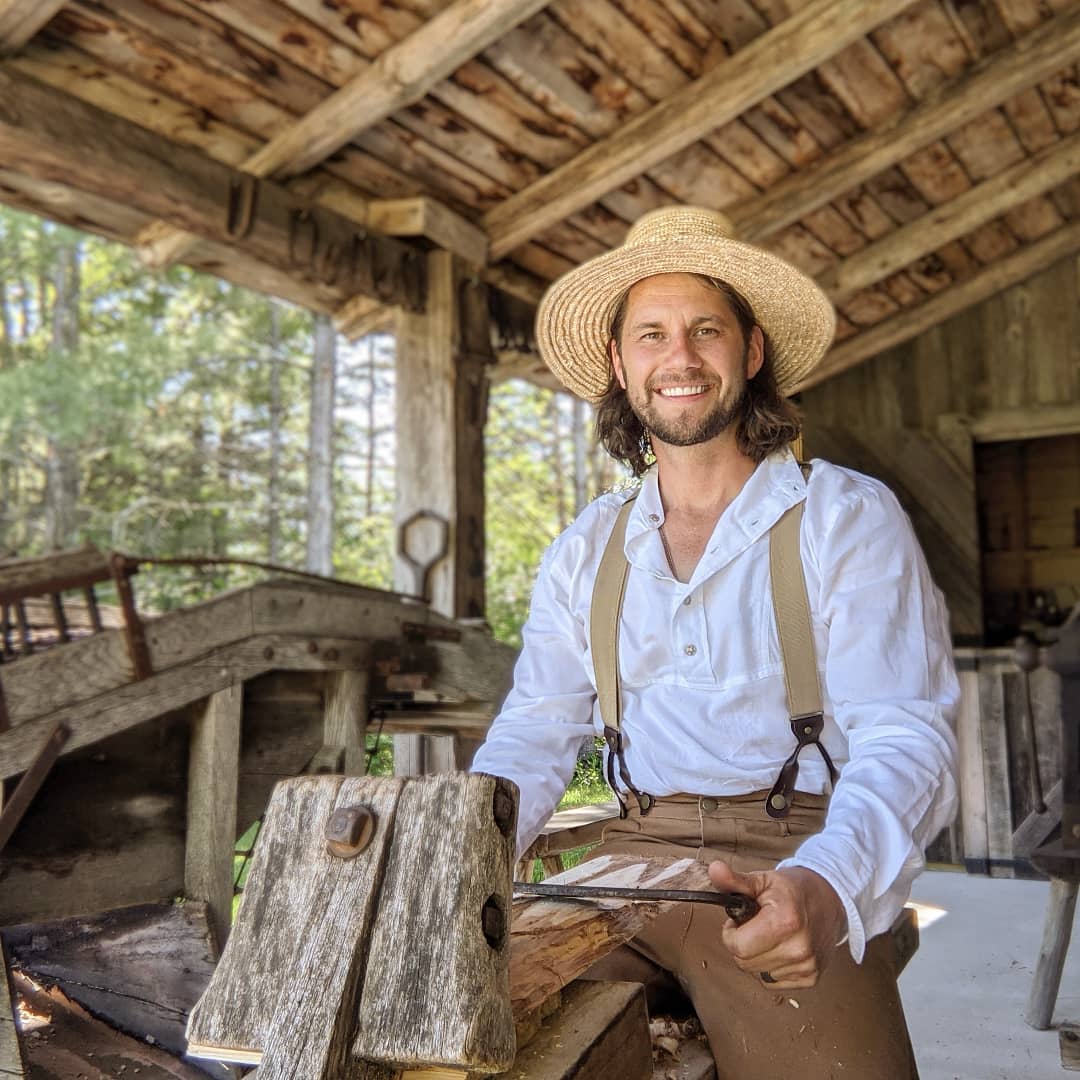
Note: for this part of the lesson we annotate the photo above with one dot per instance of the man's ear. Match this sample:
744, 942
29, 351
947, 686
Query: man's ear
616, 363
755, 352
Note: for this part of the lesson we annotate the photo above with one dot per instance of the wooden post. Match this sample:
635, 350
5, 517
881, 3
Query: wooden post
344, 725
441, 409
1055, 943
211, 811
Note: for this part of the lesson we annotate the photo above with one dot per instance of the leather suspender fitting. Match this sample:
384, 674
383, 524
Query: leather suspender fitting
792, 609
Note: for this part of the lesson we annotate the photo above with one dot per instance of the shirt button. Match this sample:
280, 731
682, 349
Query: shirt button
654, 518
686, 600
709, 805
690, 650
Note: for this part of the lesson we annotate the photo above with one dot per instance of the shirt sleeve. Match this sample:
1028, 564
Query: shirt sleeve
889, 678
548, 713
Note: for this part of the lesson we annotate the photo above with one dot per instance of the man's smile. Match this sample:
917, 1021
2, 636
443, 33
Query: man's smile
680, 391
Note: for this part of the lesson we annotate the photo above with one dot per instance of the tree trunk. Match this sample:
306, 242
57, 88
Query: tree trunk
371, 430
558, 477
274, 493
581, 483
320, 503
62, 467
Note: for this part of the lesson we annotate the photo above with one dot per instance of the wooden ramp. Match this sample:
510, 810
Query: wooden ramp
161, 773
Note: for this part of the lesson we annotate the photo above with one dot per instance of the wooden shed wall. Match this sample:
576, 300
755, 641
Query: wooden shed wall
1008, 368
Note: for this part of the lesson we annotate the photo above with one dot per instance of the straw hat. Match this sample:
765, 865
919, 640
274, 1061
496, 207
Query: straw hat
573, 323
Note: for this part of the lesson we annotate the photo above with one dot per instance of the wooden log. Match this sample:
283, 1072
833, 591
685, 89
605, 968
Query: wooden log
211, 806
78, 1045
553, 941
55, 137
805, 39
1057, 931
400, 952
141, 968
303, 920
12, 1062
601, 1030
443, 999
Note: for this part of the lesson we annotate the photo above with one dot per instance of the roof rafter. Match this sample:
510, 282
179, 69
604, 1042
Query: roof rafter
400, 76
995, 79
913, 321
53, 137
1027, 179
20, 20
804, 41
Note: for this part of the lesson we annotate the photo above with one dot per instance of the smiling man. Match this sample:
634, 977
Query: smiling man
784, 687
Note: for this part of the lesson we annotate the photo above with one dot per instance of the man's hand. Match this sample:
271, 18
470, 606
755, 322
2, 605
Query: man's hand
794, 934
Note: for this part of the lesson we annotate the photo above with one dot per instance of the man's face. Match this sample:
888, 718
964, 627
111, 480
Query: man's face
682, 360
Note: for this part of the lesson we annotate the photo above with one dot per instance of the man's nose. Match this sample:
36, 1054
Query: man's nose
683, 352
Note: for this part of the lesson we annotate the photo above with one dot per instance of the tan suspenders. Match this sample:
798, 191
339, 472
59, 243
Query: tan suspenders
792, 608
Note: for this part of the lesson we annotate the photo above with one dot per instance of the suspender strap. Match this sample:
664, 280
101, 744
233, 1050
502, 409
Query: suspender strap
604, 617
792, 607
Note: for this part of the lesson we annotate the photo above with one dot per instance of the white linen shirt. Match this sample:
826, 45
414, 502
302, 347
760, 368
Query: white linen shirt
704, 704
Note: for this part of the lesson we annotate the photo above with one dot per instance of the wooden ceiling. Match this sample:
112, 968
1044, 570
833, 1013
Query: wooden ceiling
915, 157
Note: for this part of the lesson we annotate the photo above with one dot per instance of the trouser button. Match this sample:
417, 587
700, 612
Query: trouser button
709, 805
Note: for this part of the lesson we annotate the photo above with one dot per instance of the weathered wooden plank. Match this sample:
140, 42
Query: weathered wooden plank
973, 812
444, 999
1031, 177
20, 20
211, 805
54, 137
999, 823
51, 573
12, 1062
805, 39
426, 217
133, 703
297, 922
995, 79
600, 1028
344, 725
139, 968
1007, 271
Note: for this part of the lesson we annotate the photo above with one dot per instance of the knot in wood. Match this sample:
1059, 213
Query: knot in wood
349, 830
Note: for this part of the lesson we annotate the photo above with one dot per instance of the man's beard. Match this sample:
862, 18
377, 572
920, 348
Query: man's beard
689, 429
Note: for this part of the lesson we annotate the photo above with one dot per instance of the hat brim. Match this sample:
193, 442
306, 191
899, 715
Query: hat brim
573, 321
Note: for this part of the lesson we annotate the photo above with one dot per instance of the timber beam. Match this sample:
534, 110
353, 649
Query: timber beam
1029, 178
20, 20
995, 79
805, 39
52, 137
913, 321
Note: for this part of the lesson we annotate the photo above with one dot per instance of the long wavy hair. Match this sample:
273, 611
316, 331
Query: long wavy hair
768, 421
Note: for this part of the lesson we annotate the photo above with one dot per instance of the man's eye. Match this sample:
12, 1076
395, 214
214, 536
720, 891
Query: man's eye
706, 331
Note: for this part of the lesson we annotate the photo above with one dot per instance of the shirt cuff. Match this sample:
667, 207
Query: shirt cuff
856, 931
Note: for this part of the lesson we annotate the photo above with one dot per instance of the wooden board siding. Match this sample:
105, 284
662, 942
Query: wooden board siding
1005, 368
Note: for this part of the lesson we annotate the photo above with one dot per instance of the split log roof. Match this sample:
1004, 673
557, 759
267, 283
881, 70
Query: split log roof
915, 156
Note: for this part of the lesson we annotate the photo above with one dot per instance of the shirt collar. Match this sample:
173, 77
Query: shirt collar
774, 486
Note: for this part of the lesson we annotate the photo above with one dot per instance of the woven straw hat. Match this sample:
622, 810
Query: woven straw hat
573, 322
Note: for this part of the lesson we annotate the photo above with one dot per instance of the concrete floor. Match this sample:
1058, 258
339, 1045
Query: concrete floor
966, 988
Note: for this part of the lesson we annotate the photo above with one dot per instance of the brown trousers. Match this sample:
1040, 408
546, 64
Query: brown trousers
848, 1027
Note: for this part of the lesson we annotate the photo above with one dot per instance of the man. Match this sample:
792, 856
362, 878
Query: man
688, 341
